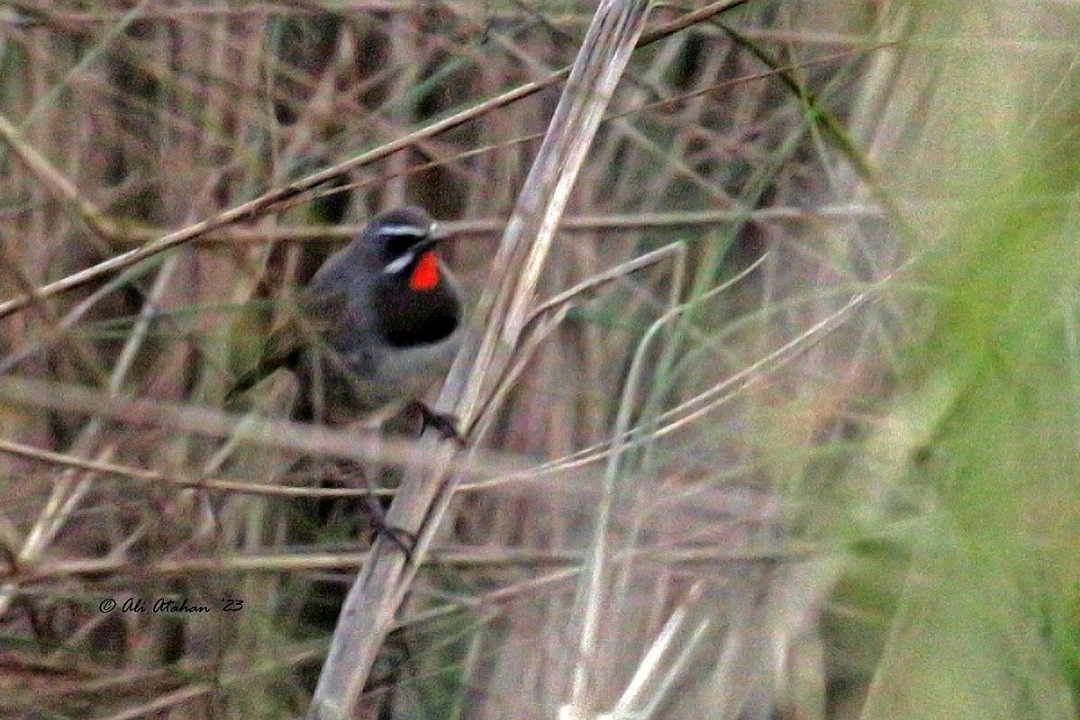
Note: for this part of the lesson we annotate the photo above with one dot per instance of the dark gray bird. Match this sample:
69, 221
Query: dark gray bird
379, 322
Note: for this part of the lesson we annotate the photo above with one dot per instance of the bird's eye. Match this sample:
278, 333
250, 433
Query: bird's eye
398, 245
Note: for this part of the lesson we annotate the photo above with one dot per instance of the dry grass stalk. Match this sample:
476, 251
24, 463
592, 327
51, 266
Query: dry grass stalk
373, 600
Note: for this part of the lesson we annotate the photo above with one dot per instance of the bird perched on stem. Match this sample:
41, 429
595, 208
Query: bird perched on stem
379, 322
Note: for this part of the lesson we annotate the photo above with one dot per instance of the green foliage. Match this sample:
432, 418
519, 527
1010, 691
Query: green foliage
984, 425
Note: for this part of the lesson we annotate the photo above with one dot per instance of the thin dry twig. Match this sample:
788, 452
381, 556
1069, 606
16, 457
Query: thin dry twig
128, 472
237, 235
548, 315
274, 198
212, 423
55, 181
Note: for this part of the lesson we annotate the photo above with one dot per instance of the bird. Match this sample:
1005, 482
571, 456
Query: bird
379, 322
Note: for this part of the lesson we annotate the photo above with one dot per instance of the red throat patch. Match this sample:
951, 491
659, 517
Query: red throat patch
426, 273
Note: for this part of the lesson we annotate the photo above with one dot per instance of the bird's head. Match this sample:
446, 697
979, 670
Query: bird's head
406, 240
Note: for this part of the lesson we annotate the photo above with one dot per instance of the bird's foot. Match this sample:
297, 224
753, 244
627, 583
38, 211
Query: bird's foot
443, 423
403, 540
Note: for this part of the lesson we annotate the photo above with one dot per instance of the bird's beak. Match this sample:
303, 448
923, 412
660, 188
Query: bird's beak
436, 235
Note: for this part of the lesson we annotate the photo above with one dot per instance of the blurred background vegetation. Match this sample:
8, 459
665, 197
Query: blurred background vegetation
853, 485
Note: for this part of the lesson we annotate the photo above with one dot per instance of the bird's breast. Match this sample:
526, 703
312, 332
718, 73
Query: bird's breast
406, 318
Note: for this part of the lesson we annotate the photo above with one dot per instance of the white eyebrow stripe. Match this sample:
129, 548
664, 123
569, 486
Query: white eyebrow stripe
403, 231
398, 264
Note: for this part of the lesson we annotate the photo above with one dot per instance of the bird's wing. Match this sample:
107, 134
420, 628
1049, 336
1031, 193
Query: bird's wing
318, 314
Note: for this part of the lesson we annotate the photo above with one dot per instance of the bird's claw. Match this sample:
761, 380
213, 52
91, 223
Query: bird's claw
443, 423
402, 539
